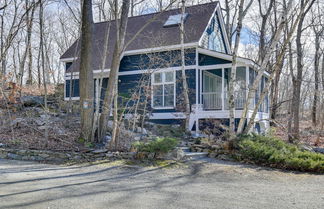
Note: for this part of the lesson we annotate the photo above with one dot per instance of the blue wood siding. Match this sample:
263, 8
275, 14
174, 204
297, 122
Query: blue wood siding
75, 88
209, 60
157, 60
167, 121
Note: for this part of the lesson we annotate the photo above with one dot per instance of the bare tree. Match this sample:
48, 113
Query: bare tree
86, 73
121, 25
318, 31
183, 70
264, 63
297, 80
242, 13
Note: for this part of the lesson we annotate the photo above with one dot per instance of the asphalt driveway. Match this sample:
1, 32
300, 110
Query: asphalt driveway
200, 184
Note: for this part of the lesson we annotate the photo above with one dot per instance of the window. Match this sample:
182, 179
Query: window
68, 65
163, 84
74, 88
174, 20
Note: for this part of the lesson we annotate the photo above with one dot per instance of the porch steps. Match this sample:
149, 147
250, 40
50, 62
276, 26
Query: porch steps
192, 155
195, 155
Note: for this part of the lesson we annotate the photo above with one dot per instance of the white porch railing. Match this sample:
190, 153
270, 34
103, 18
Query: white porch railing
212, 100
240, 98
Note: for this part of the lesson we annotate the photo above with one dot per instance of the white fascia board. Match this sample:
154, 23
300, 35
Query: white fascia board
144, 51
158, 49
132, 72
69, 59
222, 24
95, 73
168, 115
225, 56
240, 60
209, 21
72, 98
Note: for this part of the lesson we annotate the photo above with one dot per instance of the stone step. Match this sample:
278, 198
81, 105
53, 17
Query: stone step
194, 155
185, 149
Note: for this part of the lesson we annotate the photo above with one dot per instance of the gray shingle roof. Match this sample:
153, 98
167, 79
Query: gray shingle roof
154, 35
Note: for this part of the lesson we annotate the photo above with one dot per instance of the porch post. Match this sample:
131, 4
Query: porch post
247, 81
197, 92
223, 83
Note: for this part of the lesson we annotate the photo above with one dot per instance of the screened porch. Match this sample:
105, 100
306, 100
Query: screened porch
215, 88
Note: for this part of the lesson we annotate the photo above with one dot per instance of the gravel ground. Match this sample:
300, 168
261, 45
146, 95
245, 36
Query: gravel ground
203, 183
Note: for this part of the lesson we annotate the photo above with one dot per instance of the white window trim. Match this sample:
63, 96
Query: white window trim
163, 83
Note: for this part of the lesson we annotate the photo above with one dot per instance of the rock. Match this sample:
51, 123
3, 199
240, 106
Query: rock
2, 145
39, 122
151, 156
180, 154
212, 155
43, 155
36, 158
138, 129
42, 127
60, 131
32, 100
16, 121
14, 156
319, 150
26, 157
223, 157
205, 150
128, 155
77, 157
137, 138
98, 151
215, 146
22, 152
109, 155
144, 131
306, 148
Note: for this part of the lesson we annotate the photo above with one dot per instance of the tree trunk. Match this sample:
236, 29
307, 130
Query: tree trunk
252, 90
86, 72
30, 56
113, 75
316, 77
183, 70
41, 44
231, 100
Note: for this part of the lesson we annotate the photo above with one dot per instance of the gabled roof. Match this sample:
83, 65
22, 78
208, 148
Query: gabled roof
154, 35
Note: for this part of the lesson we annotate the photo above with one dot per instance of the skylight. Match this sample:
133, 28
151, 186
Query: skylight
174, 20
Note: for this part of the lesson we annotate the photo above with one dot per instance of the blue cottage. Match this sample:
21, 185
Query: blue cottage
153, 55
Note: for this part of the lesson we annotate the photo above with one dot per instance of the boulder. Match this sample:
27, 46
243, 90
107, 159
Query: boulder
319, 150
16, 121
306, 148
14, 156
179, 154
98, 151
32, 100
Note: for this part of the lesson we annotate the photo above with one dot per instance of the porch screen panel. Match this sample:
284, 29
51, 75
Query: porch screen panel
212, 89
239, 87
